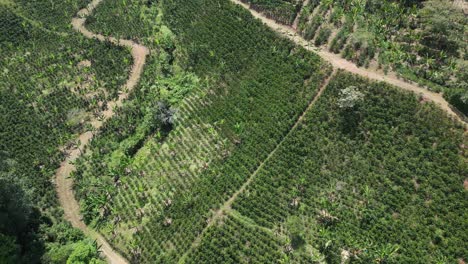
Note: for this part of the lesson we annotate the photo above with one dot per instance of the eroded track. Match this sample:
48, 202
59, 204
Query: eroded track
64, 183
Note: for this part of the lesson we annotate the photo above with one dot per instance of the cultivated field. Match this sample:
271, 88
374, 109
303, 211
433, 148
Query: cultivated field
212, 131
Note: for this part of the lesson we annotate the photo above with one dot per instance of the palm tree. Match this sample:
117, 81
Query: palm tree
386, 253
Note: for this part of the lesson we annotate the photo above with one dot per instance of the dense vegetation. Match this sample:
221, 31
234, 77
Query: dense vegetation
238, 240
382, 180
372, 181
50, 83
52, 15
251, 88
143, 177
370, 174
376, 181
424, 41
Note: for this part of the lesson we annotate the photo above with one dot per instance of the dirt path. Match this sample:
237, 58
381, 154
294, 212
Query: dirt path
462, 4
226, 207
341, 63
64, 184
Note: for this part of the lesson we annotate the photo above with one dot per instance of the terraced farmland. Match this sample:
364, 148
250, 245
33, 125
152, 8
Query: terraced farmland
192, 132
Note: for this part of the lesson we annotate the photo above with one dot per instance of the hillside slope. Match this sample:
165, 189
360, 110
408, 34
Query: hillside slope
421, 41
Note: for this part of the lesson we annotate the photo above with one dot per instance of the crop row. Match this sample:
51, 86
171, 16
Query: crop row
51, 82
235, 240
135, 20
283, 11
54, 15
44, 90
249, 103
254, 86
373, 180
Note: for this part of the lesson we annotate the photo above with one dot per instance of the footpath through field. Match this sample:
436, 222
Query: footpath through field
64, 183
341, 63
226, 208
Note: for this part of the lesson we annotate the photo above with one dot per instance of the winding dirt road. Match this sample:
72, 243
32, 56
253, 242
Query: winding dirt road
64, 183
341, 63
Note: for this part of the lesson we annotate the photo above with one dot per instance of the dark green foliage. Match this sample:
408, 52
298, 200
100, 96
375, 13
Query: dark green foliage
11, 27
18, 224
348, 167
255, 85
283, 11
54, 15
391, 181
45, 96
340, 39
9, 250
311, 29
379, 180
264, 80
35, 106
15, 209
235, 241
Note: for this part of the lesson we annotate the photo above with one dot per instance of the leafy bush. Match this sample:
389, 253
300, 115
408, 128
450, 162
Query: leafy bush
85, 252
9, 250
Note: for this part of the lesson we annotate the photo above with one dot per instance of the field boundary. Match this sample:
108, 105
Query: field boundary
63, 181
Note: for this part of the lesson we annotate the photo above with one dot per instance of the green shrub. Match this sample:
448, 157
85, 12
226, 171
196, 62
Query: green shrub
323, 35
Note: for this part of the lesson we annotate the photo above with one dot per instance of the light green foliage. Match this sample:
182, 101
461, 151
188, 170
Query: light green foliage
58, 254
75, 117
85, 252
349, 97
444, 27
174, 89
